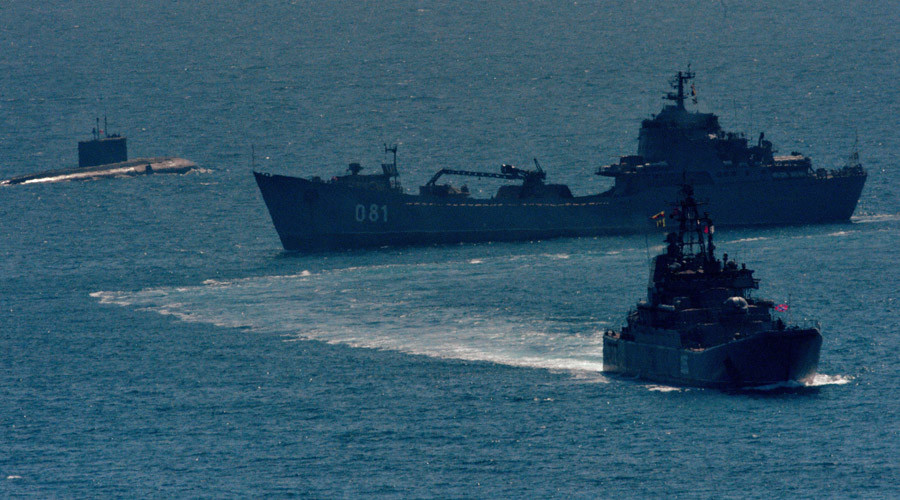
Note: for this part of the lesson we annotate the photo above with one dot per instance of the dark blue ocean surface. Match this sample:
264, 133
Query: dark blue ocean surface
156, 341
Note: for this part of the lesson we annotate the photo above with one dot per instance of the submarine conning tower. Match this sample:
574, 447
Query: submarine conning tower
102, 149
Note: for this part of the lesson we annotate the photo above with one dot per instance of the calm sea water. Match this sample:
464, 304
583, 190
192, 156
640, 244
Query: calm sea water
156, 341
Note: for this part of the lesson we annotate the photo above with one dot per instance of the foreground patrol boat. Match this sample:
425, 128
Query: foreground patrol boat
745, 185
106, 155
700, 326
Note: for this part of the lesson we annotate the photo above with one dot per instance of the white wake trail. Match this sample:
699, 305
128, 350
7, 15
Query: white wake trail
372, 308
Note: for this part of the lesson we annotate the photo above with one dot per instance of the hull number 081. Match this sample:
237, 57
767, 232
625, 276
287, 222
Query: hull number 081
372, 213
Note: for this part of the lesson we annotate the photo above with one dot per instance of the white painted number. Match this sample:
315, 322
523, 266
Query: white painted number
374, 213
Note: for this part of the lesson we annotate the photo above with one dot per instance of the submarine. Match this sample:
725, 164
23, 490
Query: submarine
106, 155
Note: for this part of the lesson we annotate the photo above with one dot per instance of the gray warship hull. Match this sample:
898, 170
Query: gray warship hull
314, 215
762, 359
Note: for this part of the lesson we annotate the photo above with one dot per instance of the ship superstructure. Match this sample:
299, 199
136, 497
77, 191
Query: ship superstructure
677, 146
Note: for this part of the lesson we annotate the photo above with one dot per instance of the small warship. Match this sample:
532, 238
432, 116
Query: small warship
106, 155
746, 184
700, 326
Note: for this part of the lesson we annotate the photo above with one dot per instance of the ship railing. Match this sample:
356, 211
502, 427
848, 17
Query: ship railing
848, 171
807, 324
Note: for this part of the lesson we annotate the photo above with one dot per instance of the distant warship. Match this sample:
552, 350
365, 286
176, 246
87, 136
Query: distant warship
746, 185
106, 155
700, 326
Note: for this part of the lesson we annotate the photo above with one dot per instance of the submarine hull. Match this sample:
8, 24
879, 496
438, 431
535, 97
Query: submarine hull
137, 166
313, 215
765, 358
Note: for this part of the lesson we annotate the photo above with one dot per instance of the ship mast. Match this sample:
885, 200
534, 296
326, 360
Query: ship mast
677, 83
693, 230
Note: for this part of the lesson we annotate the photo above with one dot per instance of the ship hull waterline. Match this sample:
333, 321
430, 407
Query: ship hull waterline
763, 359
311, 216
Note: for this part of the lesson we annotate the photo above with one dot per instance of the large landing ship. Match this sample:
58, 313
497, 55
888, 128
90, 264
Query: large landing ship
744, 184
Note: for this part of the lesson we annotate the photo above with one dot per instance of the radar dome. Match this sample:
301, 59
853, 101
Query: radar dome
736, 304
